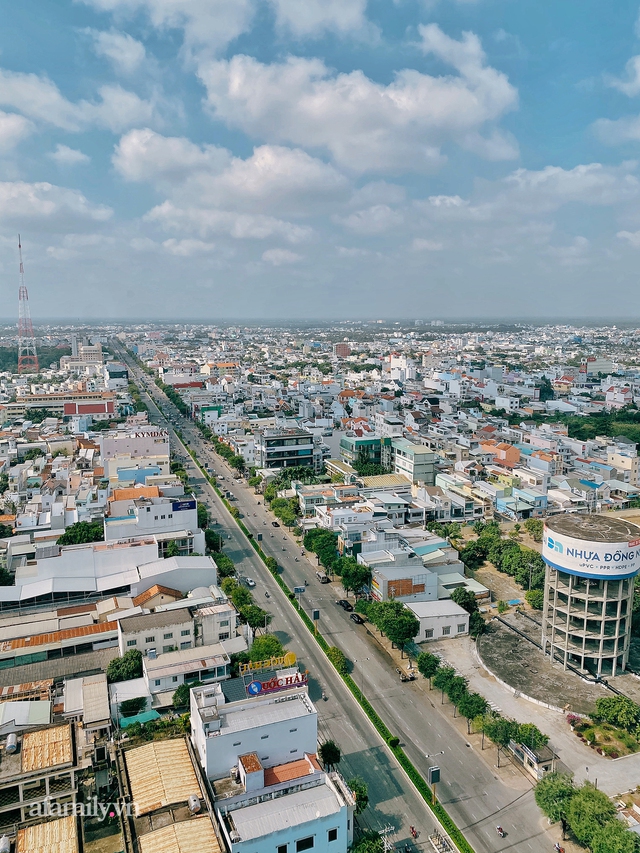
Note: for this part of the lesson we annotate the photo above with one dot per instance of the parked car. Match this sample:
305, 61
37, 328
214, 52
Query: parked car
251, 583
357, 618
346, 605
275, 524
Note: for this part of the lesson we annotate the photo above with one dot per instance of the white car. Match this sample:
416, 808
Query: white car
251, 583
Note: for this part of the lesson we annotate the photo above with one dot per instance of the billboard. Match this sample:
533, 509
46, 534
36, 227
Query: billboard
589, 558
179, 506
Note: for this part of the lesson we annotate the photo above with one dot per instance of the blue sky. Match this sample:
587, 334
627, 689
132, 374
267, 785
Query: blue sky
321, 158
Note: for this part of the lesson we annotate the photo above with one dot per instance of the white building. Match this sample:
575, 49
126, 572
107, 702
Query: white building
167, 519
167, 672
144, 441
228, 720
439, 619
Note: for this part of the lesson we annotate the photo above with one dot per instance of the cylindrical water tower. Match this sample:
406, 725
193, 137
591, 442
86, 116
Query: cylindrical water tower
592, 561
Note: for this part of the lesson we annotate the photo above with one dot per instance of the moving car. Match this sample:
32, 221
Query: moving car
251, 583
357, 618
346, 605
275, 524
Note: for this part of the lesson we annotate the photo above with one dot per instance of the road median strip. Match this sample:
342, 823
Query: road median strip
416, 778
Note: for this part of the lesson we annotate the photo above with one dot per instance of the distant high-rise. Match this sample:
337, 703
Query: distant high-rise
27, 355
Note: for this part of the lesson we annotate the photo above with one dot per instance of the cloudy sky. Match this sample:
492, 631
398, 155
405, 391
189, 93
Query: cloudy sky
321, 158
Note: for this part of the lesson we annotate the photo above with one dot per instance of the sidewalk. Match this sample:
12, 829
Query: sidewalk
614, 777
509, 773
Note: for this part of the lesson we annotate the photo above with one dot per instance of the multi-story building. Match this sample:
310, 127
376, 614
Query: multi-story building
285, 448
166, 519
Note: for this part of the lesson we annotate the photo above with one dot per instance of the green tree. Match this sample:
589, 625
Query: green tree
241, 597
172, 549
354, 575
472, 705
226, 567
619, 711
501, 730
535, 528
361, 793
477, 625
613, 837
589, 810
531, 736
203, 516
369, 842
473, 555
456, 690
265, 647
131, 707
330, 754
428, 665
127, 667
181, 696
338, 659
213, 540
535, 597
502, 606
465, 598
401, 627
442, 677
553, 794
82, 532
255, 616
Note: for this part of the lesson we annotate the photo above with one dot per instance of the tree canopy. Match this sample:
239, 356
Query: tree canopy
82, 532
330, 754
127, 667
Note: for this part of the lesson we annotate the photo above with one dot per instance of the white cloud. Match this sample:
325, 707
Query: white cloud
277, 257
238, 225
143, 155
41, 100
13, 129
366, 125
187, 248
631, 84
65, 156
617, 131
378, 192
125, 53
372, 220
208, 25
316, 17
572, 255
20, 201
421, 245
632, 237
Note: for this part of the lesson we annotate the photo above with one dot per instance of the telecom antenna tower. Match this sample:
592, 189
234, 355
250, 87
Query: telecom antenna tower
27, 355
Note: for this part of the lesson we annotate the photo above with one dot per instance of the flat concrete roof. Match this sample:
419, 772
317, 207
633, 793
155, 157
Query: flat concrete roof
295, 809
593, 527
446, 607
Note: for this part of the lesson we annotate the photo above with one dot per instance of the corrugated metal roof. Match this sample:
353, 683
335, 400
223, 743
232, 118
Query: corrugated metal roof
46, 748
189, 836
58, 636
293, 810
56, 836
161, 774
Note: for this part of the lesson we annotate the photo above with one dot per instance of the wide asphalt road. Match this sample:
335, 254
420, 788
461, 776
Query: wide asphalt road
474, 797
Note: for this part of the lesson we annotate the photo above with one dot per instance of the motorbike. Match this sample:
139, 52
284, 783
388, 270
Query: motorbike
500, 831
266, 595
296, 559
558, 848
414, 831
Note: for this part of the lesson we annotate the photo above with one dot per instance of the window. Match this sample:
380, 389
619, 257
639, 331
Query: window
264, 737
186, 633
282, 848
332, 835
224, 623
222, 637
461, 628
148, 509
168, 636
238, 743
157, 682
149, 639
174, 678
304, 843
162, 516
428, 633
166, 649
292, 730
170, 515
291, 751
132, 642
186, 645
446, 630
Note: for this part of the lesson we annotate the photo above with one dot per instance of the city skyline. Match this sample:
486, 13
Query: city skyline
169, 160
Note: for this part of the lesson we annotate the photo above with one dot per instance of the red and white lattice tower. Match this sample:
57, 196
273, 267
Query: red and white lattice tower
27, 355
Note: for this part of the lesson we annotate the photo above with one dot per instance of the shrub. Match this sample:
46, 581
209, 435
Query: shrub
393, 742
574, 719
589, 734
338, 659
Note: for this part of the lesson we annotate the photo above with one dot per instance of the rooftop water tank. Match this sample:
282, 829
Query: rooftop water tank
12, 744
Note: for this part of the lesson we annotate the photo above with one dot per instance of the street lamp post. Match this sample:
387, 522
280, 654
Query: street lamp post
361, 661
434, 772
